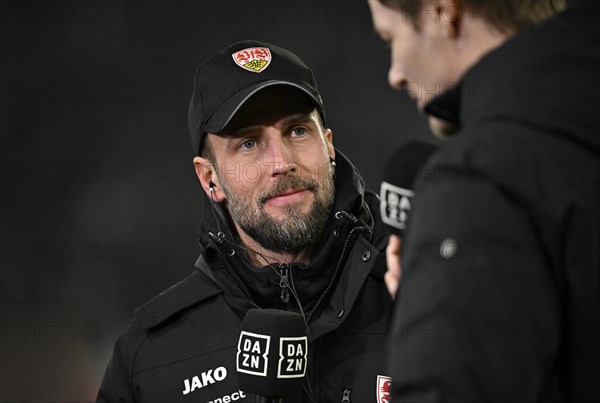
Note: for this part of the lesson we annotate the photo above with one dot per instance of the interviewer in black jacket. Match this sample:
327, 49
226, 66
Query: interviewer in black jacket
500, 294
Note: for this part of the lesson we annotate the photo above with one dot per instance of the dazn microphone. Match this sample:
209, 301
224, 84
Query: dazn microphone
272, 354
397, 186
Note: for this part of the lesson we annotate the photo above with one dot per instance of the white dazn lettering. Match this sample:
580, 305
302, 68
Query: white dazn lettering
256, 347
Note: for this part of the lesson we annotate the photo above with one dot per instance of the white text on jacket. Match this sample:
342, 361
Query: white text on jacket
206, 378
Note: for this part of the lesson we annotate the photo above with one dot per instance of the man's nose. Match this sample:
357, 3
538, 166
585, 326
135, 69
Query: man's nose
396, 77
280, 156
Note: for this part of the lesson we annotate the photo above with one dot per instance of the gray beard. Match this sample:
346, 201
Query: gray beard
298, 230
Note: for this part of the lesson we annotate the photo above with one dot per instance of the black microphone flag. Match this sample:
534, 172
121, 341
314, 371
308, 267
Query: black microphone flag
397, 186
272, 353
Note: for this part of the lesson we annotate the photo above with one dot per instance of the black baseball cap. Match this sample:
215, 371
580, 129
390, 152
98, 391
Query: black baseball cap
224, 82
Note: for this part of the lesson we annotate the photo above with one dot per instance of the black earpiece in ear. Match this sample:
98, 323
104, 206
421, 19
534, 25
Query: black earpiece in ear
211, 186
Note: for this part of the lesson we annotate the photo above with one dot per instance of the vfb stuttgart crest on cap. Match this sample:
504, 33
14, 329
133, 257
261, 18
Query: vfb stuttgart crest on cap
255, 60
384, 389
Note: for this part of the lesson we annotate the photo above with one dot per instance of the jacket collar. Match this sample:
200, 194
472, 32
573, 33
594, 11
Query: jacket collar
446, 105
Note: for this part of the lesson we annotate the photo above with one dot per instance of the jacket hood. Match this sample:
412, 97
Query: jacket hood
546, 77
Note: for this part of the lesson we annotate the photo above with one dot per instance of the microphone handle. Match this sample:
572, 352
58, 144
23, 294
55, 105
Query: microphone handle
263, 399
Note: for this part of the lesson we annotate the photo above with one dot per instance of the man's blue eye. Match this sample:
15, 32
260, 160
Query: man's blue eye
249, 144
299, 131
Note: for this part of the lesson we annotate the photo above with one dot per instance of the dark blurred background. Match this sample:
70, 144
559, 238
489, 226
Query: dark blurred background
98, 207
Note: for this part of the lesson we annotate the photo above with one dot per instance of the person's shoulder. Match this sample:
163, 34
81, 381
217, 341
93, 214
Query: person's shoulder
490, 147
482, 159
192, 290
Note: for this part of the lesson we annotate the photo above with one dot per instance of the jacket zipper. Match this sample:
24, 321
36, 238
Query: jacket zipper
284, 283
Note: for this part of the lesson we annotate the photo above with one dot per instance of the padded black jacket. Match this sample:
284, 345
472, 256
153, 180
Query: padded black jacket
500, 297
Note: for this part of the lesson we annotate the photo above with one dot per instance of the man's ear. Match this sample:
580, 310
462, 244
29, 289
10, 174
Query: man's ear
328, 135
449, 13
208, 179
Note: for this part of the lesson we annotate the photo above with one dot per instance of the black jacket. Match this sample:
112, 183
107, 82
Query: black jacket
500, 299
191, 330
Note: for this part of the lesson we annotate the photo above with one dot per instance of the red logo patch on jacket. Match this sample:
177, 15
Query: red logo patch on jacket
255, 60
384, 389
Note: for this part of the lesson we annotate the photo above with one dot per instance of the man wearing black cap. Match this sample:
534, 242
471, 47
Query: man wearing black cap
287, 225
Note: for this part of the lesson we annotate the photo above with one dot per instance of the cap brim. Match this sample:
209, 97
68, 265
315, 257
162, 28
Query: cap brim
222, 116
